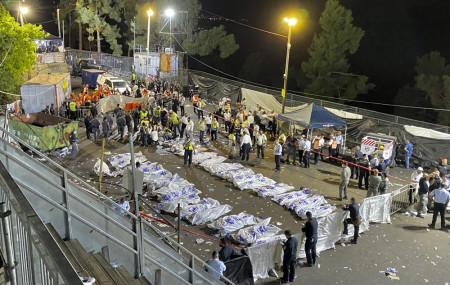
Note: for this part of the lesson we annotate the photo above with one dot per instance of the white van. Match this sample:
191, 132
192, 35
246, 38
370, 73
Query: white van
112, 81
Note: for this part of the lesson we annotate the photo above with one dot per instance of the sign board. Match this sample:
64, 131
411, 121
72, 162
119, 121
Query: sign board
164, 62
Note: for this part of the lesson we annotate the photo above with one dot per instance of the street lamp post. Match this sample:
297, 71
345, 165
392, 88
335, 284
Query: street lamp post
170, 13
291, 22
149, 13
22, 10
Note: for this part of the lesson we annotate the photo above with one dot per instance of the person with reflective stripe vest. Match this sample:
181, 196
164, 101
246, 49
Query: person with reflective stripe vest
201, 128
188, 150
231, 146
214, 129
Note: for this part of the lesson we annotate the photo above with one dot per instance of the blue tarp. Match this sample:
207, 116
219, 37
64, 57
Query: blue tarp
313, 117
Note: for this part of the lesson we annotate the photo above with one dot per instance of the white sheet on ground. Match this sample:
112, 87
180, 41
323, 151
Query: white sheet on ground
232, 223
273, 190
251, 234
288, 198
208, 215
204, 204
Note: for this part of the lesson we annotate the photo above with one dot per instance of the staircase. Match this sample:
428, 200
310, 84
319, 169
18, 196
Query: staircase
96, 265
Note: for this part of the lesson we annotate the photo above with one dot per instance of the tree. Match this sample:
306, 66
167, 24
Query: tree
433, 78
17, 51
327, 67
102, 17
196, 40
252, 67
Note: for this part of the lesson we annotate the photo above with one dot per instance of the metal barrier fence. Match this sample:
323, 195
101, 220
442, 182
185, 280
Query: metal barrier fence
33, 256
77, 210
400, 199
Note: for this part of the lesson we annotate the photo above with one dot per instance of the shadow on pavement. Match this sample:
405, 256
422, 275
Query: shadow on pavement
415, 228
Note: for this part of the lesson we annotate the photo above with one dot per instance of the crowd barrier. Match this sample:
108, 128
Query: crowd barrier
266, 256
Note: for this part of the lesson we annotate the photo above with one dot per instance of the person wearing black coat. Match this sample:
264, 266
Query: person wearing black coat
310, 230
87, 124
289, 258
354, 219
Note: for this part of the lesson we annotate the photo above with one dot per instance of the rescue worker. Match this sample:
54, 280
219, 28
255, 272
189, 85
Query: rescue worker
214, 129
87, 124
261, 140
363, 166
73, 110
157, 115
175, 124
136, 116
128, 120
202, 106
316, 143
201, 129
195, 103
333, 149
188, 150
237, 128
144, 132
231, 146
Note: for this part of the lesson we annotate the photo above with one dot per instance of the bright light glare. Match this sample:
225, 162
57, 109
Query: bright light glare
23, 10
290, 21
150, 12
170, 13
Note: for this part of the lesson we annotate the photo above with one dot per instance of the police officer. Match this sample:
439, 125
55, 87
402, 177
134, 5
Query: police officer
95, 126
106, 128
363, 166
310, 230
87, 124
354, 219
121, 123
72, 140
128, 120
188, 150
289, 257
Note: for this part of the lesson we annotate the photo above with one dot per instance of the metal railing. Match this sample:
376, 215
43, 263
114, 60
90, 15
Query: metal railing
77, 210
33, 256
400, 199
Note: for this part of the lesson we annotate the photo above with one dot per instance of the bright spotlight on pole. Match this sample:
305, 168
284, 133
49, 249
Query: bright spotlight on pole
169, 13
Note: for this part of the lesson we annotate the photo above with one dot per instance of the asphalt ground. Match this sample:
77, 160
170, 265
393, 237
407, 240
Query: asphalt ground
420, 255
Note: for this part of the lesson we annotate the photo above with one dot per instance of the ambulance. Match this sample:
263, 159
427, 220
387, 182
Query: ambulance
381, 144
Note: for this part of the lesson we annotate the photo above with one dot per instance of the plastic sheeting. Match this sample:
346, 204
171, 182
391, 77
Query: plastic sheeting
253, 233
264, 256
106, 171
273, 190
232, 223
426, 133
121, 161
266, 101
239, 271
207, 215
344, 114
252, 181
287, 198
204, 204
214, 89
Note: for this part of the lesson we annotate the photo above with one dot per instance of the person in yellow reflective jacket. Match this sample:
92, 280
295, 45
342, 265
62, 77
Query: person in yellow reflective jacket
231, 146
188, 150
201, 129
214, 129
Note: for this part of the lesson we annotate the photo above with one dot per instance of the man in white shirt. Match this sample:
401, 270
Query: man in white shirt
227, 119
339, 140
217, 266
208, 122
246, 143
261, 140
278, 149
122, 206
414, 187
307, 153
256, 130
154, 135
190, 128
301, 149
184, 122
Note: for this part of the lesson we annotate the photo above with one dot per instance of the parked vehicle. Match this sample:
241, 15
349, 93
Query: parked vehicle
383, 145
113, 82
89, 77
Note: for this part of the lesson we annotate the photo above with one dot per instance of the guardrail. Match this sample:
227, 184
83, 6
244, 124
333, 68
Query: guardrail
77, 210
33, 256
400, 199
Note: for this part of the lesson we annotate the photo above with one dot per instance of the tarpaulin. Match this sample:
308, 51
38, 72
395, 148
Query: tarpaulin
266, 101
214, 89
313, 117
273, 190
375, 209
264, 256
239, 271
287, 198
208, 215
110, 102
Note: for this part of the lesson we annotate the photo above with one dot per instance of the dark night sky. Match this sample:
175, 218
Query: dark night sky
396, 32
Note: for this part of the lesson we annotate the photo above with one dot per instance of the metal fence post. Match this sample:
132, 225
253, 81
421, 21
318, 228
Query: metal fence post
11, 263
191, 272
68, 223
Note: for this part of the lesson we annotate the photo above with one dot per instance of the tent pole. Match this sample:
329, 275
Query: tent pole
345, 138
